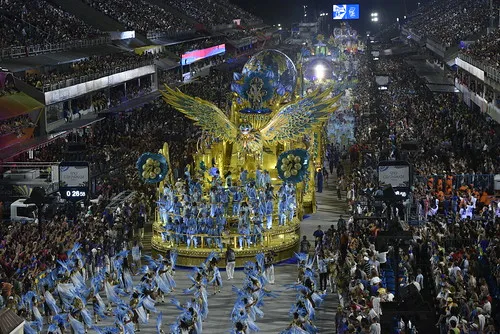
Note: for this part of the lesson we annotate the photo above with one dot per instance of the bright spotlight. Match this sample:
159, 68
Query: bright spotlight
319, 71
375, 19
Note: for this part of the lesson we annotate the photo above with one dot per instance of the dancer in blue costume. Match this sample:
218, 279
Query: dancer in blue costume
243, 176
282, 211
237, 197
269, 212
303, 310
249, 300
199, 290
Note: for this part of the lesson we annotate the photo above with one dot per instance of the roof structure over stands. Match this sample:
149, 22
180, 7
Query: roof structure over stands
173, 40
48, 59
398, 50
129, 43
442, 88
30, 144
435, 78
10, 321
17, 104
167, 63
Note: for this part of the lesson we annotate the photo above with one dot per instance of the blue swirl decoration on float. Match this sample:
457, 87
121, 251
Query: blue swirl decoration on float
292, 165
152, 167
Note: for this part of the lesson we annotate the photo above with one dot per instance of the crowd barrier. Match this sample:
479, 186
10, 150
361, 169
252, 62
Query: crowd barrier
480, 181
206, 240
86, 78
491, 72
152, 35
33, 50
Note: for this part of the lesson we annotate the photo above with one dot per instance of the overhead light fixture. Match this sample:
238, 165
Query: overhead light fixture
319, 71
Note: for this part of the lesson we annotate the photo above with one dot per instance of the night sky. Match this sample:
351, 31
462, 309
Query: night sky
287, 12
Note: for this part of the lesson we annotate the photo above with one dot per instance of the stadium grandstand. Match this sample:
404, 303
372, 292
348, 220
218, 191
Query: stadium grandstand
403, 232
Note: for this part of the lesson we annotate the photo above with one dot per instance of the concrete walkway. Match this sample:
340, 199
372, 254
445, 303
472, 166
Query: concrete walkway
276, 310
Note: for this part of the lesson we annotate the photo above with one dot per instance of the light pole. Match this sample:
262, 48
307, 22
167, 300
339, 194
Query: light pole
323, 22
374, 17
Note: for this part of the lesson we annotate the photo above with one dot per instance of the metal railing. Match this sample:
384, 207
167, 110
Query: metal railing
86, 78
33, 50
491, 72
151, 35
484, 181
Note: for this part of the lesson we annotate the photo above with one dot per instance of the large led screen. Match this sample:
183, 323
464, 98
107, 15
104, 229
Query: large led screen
395, 176
192, 56
346, 12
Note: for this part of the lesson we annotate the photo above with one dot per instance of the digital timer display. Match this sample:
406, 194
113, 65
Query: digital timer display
75, 193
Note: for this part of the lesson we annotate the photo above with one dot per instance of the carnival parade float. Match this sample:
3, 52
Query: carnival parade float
253, 176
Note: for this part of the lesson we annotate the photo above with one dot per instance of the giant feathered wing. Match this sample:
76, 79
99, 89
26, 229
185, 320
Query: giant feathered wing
204, 113
294, 119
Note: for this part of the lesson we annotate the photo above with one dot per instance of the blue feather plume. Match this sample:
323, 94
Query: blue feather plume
159, 323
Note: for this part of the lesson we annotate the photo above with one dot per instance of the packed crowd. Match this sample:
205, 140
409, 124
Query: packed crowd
114, 144
204, 64
91, 67
486, 49
235, 35
39, 22
68, 256
172, 77
141, 15
465, 273
15, 125
456, 228
361, 275
449, 22
212, 12
134, 89
463, 141
230, 9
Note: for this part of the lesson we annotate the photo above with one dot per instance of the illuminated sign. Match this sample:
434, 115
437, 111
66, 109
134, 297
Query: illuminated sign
74, 180
346, 12
396, 174
192, 56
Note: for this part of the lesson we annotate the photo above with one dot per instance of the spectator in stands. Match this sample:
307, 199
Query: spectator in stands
87, 69
38, 22
141, 15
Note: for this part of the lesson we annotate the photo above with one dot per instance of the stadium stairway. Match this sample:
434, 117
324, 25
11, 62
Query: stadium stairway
92, 16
